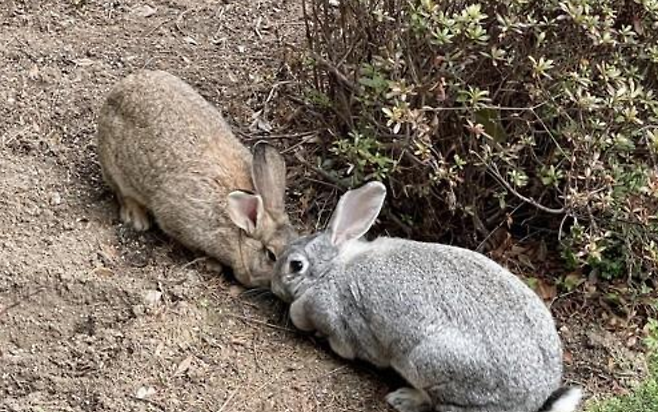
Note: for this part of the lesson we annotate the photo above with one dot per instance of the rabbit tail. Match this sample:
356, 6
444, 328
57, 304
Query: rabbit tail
564, 399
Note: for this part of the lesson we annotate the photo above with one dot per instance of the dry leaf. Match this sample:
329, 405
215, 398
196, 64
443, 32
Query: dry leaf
525, 260
542, 253
83, 62
545, 291
102, 271
500, 241
183, 366
568, 357
144, 11
517, 250
239, 341
264, 125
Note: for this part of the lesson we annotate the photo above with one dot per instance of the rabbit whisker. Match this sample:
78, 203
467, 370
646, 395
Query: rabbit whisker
257, 292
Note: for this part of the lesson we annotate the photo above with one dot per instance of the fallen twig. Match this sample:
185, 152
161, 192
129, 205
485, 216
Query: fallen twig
252, 137
260, 322
230, 397
331, 372
334, 70
179, 20
157, 26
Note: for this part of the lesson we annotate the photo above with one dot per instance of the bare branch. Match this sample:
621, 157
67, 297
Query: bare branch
493, 170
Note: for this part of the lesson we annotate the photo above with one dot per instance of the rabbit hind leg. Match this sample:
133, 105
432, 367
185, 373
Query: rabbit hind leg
131, 212
452, 374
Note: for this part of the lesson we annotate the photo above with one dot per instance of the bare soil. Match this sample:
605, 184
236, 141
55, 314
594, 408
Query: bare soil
94, 317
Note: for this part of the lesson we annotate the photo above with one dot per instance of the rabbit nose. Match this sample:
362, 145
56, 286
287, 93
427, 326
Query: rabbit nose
276, 288
279, 291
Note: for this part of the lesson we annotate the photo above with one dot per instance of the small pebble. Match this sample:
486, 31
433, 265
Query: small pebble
144, 392
235, 290
152, 297
55, 198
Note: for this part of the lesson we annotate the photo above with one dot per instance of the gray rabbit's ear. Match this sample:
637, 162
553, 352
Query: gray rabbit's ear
269, 176
356, 212
245, 210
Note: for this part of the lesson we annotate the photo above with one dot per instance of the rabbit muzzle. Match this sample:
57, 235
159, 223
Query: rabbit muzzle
281, 292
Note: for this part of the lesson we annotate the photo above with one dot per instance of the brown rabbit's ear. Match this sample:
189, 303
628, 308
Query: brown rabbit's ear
269, 176
245, 210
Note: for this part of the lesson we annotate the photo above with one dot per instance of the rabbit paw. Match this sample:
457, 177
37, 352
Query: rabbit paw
214, 266
134, 214
409, 400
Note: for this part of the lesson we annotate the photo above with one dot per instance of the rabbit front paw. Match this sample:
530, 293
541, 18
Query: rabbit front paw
299, 316
341, 348
409, 400
135, 215
212, 265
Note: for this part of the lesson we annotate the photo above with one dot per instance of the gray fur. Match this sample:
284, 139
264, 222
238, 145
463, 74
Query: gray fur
468, 335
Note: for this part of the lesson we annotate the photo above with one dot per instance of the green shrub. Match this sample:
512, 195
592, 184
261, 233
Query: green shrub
491, 113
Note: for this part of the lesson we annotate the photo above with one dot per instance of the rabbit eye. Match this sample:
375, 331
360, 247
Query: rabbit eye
270, 255
296, 266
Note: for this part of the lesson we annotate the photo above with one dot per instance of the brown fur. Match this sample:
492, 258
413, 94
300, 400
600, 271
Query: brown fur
164, 149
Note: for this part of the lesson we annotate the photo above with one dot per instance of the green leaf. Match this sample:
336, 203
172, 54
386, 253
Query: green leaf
489, 118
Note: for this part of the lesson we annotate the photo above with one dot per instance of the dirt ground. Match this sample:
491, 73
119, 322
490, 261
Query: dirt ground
94, 317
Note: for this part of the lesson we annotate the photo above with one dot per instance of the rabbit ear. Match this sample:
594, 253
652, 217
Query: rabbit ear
245, 210
356, 212
269, 176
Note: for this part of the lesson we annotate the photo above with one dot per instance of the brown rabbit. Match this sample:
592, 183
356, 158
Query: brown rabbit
164, 149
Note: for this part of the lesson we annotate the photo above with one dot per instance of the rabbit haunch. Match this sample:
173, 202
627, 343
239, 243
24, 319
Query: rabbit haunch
167, 152
466, 334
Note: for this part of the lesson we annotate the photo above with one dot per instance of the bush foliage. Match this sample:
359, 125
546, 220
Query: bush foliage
479, 114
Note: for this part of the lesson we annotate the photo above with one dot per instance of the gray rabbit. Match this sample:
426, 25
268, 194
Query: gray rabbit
465, 333
167, 152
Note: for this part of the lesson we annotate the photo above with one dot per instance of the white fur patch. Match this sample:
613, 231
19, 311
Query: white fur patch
568, 402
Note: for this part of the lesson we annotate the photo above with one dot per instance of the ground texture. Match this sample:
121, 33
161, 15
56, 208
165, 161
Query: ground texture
94, 317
